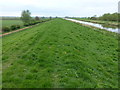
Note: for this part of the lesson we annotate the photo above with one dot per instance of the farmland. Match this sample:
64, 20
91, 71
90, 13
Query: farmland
11, 22
12, 25
60, 54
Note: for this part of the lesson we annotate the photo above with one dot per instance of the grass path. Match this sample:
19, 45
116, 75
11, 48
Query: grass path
60, 54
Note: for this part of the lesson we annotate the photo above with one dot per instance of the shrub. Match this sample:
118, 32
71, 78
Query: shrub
13, 27
18, 26
30, 23
5, 29
33, 23
36, 22
26, 24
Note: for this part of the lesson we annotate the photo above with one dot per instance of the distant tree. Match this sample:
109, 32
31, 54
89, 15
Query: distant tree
50, 17
37, 18
94, 17
43, 17
66, 16
25, 16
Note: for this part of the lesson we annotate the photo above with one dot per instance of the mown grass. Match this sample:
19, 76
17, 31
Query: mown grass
60, 54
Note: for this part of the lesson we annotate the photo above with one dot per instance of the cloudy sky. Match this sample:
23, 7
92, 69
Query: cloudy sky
79, 8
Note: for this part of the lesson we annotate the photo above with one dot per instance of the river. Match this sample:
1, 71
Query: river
101, 26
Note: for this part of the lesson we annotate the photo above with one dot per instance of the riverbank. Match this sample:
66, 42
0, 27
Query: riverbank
112, 23
94, 25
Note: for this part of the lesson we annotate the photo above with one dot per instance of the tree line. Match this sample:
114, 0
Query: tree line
108, 17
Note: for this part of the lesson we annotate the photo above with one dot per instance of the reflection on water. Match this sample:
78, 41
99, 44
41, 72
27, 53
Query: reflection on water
102, 26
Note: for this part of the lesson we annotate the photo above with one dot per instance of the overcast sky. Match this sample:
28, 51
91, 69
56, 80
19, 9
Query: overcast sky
80, 8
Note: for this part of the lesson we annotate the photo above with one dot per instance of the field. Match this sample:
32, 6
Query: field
11, 22
16, 22
60, 54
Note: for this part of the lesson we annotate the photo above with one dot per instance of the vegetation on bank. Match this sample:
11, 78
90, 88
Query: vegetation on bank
60, 54
108, 19
110, 23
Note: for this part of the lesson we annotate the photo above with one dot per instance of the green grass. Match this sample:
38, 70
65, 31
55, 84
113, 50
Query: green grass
11, 22
60, 54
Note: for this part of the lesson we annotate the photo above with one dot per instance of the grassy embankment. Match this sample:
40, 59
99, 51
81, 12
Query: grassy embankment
110, 23
60, 53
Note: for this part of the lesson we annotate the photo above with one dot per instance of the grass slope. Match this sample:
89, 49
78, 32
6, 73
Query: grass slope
60, 54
